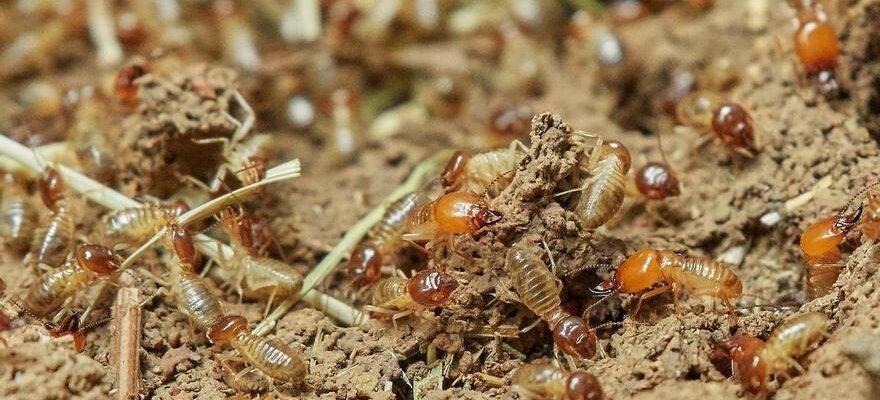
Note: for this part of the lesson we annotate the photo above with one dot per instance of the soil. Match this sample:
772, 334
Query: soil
469, 347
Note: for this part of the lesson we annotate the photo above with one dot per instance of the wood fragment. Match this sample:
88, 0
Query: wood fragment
126, 343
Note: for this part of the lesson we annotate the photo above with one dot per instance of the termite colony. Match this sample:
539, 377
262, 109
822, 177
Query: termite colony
523, 261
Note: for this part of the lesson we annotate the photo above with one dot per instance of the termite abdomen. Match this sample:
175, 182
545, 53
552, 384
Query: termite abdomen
270, 356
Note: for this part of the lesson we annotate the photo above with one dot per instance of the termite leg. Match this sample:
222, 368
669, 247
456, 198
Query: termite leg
649, 294
531, 326
730, 310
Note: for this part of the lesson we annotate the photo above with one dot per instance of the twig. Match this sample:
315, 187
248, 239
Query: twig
351, 238
103, 32
125, 350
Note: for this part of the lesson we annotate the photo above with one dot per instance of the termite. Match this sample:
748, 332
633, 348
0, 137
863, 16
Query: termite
755, 361
124, 87
729, 121
656, 181
603, 190
695, 275
256, 276
544, 381
130, 226
819, 243
400, 297
53, 240
509, 122
271, 357
88, 263
19, 216
194, 298
485, 172
538, 290
817, 46
365, 263
450, 214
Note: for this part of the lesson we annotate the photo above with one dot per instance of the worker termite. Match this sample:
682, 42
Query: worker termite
538, 290
367, 258
755, 361
256, 276
450, 214
817, 46
486, 172
400, 297
729, 121
603, 190
695, 275
194, 298
53, 240
88, 263
19, 216
509, 122
130, 226
269, 356
544, 381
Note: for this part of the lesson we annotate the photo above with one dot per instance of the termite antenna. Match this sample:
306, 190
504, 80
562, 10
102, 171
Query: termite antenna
86, 327
853, 198
660, 146
494, 181
582, 268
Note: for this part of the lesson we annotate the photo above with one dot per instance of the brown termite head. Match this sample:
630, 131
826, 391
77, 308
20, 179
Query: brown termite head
613, 146
431, 288
745, 353
183, 245
98, 259
238, 226
510, 121
225, 329
124, 87
657, 181
574, 336
51, 186
734, 126
365, 264
453, 174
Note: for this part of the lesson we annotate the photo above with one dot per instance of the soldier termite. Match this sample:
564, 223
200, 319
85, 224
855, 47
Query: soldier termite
400, 297
755, 360
676, 272
53, 240
89, 263
256, 276
817, 46
365, 263
544, 381
603, 190
269, 356
819, 244
18, 215
538, 290
450, 214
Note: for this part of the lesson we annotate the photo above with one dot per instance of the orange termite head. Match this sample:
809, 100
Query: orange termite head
657, 181
824, 235
238, 226
582, 385
460, 212
365, 264
225, 329
452, 175
574, 336
431, 288
51, 186
638, 272
96, 258
183, 245
745, 353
